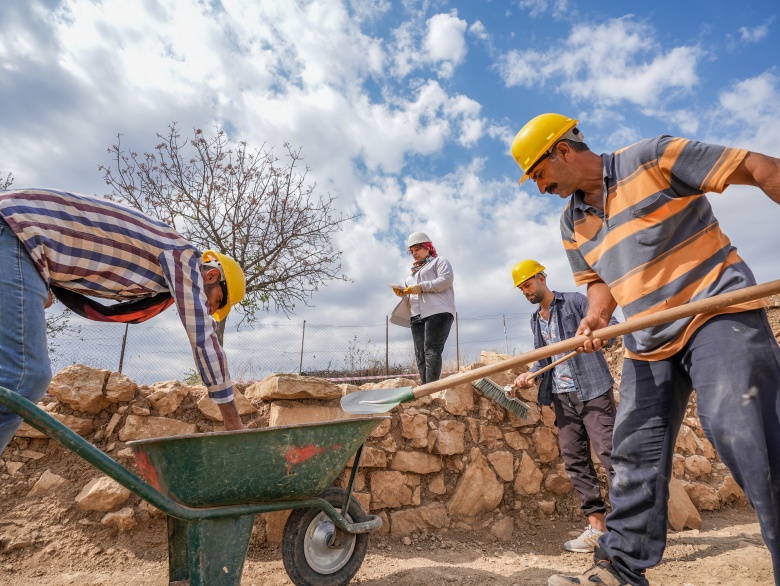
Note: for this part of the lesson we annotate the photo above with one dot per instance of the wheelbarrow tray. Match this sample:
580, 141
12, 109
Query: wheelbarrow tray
251, 466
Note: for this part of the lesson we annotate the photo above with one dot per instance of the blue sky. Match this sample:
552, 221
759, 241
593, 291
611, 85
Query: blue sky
404, 110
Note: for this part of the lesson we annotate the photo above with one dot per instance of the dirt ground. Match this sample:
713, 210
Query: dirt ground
728, 550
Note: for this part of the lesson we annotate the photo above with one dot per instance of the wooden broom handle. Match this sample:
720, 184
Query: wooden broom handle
632, 325
554, 364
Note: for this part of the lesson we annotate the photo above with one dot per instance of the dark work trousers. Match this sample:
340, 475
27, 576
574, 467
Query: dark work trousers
429, 335
581, 424
733, 362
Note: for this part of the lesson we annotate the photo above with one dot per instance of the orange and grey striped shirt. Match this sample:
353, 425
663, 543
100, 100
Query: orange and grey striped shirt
657, 243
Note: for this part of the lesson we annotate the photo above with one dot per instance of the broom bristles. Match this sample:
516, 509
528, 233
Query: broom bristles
497, 394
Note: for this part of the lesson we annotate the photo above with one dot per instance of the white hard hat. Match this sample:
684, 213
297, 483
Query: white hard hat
416, 238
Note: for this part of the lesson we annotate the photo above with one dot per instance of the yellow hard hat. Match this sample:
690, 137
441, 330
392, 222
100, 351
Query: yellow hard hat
538, 136
232, 276
524, 270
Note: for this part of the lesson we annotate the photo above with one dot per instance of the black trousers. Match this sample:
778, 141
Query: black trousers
429, 335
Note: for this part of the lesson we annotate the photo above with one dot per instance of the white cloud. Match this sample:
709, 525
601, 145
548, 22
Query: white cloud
617, 61
439, 43
537, 8
755, 34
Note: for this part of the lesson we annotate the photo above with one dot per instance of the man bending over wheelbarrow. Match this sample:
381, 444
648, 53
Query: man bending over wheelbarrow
639, 231
77, 247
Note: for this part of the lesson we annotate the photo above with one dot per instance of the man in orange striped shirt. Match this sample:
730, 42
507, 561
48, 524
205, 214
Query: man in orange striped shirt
640, 233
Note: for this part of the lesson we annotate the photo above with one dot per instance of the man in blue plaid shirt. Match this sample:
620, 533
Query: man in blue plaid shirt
580, 391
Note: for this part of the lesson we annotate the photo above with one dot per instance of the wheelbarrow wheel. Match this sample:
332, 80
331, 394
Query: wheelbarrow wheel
309, 558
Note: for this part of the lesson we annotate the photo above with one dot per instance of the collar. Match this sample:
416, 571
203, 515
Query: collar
557, 297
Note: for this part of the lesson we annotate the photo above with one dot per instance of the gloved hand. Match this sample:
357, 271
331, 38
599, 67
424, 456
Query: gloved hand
413, 290
398, 291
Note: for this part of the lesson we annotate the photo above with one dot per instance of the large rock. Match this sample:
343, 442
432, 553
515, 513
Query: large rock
167, 396
390, 488
123, 519
102, 494
503, 464
704, 496
458, 400
432, 516
292, 413
82, 388
546, 444
682, 511
528, 479
48, 481
137, 427
120, 388
416, 462
478, 490
210, 409
293, 386
414, 427
450, 438
78, 424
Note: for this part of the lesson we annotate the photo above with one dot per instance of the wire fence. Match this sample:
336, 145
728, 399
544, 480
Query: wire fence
150, 353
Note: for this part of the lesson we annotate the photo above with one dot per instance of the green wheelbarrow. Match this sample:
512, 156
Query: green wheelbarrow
211, 486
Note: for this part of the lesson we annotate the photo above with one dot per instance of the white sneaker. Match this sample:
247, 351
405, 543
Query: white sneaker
585, 542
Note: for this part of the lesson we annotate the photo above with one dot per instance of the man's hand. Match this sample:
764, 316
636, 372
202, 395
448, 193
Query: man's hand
588, 325
413, 290
230, 416
525, 380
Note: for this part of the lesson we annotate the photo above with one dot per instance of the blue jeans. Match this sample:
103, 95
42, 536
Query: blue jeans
733, 362
429, 335
24, 355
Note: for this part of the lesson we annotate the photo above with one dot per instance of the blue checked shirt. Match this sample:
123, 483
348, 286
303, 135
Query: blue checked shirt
99, 248
589, 372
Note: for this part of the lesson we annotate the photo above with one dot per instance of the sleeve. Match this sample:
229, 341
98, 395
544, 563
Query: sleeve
693, 168
538, 364
182, 271
581, 270
443, 280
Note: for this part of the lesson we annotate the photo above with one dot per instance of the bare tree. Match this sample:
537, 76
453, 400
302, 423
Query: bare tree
241, 202
6, 183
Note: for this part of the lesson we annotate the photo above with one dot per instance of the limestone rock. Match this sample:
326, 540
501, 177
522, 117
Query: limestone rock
730, 492
528, 479
390, 488
210, 409
48, 481
704, 496
390, 383
436, 484
558, 482
697, 466
414, 427
427, 517
102, 494
27, 430
167, 396
478, 490
490, 436
546, 444
293, 386
382, 429
81, 387
292, 413
516, 441
120, 388
503, 464
137, 427
457, 400
78, 424
416, 462
503, 529
682, 511
123, 519
451, 437
371, 458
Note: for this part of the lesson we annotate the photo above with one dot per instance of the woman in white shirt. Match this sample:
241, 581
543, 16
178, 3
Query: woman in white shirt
428, 305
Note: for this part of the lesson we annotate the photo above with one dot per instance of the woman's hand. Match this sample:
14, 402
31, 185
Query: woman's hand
398, 291
413, 290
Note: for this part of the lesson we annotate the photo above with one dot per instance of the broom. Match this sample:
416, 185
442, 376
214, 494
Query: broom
382, 400
505, 396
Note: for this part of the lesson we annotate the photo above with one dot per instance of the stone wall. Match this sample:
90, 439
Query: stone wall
454, 461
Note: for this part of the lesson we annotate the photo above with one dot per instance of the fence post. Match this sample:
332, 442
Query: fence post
457, 344
124, 343
303, 337
387, 345
506, 341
